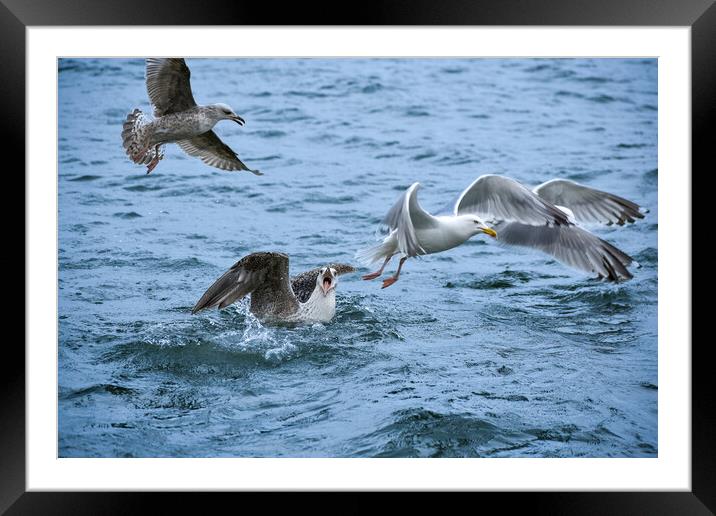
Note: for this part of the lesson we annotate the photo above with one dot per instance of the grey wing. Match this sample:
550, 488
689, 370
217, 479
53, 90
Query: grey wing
496, 198
263, 272
588, 204
168, 85
212, 151
305, 283
405, 217
571, 245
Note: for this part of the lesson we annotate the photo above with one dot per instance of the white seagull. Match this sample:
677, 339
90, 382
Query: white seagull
307, 298
545, 218
178, 119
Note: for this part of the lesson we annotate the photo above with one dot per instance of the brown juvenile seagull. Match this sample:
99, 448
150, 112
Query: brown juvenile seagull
178, 119
308, 297
545, 218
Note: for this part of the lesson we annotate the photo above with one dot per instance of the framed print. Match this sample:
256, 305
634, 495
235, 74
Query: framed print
558, 363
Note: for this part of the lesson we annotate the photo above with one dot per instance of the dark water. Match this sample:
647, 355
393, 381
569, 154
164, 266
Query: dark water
479, 351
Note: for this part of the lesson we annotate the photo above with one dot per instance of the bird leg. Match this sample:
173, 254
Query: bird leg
388, 282
155, 159
377, 273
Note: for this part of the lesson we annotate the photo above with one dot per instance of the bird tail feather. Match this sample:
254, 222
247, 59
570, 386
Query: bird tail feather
375, 253
135, 136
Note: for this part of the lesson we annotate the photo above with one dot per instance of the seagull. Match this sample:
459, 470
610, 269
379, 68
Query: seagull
547, 218
178, 119
307, 298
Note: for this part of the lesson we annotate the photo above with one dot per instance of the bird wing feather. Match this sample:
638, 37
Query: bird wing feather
405, 217
571, 245
262, 273
212, 151
589, 205
523, 218
168, 85
500, 198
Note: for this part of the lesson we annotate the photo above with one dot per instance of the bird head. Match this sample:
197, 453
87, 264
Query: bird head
224, 112
474, 225
327, 280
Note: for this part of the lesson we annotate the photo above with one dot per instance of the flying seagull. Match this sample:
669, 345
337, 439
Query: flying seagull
308, 297
545, 218
178, 119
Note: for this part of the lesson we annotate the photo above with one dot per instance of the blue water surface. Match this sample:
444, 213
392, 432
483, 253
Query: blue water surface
480, 351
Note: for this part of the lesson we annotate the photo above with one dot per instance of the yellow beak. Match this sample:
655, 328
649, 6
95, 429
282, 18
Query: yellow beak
490, 232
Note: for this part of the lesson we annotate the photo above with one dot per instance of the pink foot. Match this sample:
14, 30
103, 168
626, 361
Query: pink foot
371, 276
151, 165
388, 282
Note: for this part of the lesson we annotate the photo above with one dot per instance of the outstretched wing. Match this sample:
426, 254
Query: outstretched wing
168, 85
521, 217
588, 204
498, 198
265, 274
571, 245
405, 217
212, 151
303, 284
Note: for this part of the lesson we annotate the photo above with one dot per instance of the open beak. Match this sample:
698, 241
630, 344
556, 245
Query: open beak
327, 282
489, 231
238, 119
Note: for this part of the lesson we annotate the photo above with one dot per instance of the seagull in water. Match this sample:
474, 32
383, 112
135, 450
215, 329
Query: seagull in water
309, 297
545, 218
178, 119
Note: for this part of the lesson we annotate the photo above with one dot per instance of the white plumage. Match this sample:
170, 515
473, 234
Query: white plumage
544, 219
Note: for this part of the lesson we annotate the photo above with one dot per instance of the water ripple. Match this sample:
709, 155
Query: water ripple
481, 351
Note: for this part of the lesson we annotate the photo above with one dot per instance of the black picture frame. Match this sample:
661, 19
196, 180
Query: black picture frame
700, 15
